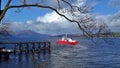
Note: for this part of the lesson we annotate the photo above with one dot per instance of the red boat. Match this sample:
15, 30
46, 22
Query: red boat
67, 41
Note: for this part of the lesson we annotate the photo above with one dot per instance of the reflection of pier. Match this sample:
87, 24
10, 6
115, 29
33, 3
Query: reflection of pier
34, 60
26, 47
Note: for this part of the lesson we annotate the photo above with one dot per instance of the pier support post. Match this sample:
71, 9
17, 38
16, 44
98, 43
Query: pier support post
49, 47
6, 56
44, 48
14, 49
20, 48
33, 47
0, 55
38, 47
27, 48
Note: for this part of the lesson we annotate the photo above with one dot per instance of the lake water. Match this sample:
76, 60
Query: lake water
105, 53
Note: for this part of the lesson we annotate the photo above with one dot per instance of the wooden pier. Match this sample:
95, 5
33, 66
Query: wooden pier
26, 47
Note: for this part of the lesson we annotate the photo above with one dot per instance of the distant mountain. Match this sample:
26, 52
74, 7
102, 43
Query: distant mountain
28, 34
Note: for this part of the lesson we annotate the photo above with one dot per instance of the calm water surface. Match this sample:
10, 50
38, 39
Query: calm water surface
103, 54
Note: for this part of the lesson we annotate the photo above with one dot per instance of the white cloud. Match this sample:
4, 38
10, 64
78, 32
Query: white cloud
115, 20
114, 3
112, 21
54, 3
51, 23
50, 18
29, 22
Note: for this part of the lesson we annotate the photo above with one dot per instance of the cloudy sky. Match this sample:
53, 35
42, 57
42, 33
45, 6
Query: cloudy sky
46, 21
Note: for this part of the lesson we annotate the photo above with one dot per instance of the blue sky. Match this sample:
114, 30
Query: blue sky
101, 7
32, 16
25, 14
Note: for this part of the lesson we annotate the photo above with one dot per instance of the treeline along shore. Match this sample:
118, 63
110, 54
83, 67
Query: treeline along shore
111, 34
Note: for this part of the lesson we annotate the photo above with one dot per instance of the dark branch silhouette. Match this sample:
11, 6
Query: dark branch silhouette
79, 13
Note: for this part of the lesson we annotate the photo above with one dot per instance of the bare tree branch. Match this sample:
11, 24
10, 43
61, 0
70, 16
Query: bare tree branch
41, 6
81, 18
5, 10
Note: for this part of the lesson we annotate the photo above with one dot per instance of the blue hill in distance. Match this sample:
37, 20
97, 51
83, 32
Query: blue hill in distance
28, 34
25, 35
